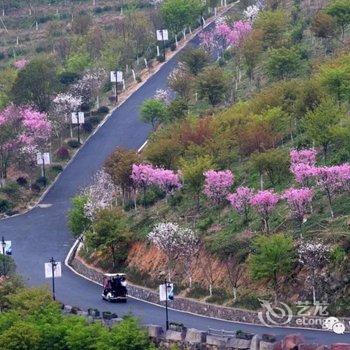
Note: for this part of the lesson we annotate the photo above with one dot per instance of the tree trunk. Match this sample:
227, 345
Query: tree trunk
234, 291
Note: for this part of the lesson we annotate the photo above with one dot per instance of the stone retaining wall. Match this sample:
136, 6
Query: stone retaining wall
184, 304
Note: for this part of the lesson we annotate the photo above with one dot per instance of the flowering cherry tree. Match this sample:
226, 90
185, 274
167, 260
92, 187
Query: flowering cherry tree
303, 156
172, 240
329, 180
225, 35
303, 173
240, 201
89, 85
23, 132
167, 180
100, 195
64, 104
298, 199
344, 175
217, 184
265, 202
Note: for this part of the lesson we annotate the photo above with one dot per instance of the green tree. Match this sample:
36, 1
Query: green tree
272, 258
110, 232
212, 84
128, 335
192, 170
119, 166
177, 109
21, 335
154, 112
36, 83
7, 79
77, 62
323, 25
273, 24
195, 60
178, 14
320, 124
340, 11
337, 81
78, 223
275, 163
283, 63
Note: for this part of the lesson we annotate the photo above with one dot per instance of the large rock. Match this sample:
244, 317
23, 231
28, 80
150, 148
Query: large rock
174, 335
154, 331
264, 345
217, 340
292, 341
340, 346
235, 343
195, 336
254, 345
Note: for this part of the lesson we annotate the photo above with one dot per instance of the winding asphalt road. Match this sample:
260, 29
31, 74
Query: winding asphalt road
42, 232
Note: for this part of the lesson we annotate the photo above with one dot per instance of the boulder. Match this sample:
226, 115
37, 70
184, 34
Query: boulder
264, 345
174, 335
217, 340
195, 336
340, 346
236, 343
292, 341
154, 331
254, 345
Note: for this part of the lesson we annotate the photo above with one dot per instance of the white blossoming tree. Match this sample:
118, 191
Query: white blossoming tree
175, 242
101, 194
314, 256
64, 104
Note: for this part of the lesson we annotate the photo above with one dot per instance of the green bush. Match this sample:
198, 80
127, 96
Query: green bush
103, 110
197, 291
73, 143
5, 205
78, 223
161, 58
11, 189
138, 79
88, 127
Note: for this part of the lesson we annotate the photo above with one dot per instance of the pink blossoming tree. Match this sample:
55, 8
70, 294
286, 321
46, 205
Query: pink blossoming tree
167, 180
20, 64
217, 184
265, 202
23, 132
303, 165
329, 180
299, 200
240, 201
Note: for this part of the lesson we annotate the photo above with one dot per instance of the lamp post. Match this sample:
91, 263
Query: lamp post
3, 246
53, 266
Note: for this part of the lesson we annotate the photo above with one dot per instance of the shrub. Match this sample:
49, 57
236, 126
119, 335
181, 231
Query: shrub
11, 189
138, 79
41, 181
2, 55
161, 58
73, 143
103, 110
35, 188
94, 120
56, 168
85, 107
22, 181
87, 127
5, 205
173, 47
67, 78
62, 153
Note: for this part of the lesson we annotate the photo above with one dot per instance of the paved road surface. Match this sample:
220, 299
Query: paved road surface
42, 232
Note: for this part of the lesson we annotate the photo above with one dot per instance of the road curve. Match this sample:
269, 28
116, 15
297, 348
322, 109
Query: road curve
43, 232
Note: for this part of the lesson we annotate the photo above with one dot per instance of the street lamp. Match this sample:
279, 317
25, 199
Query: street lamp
3, 246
